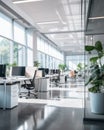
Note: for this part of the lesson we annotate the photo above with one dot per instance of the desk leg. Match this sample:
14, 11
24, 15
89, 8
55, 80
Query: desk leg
4, 103
38, 85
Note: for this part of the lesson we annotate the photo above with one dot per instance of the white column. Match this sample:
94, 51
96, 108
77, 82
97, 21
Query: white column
34, 46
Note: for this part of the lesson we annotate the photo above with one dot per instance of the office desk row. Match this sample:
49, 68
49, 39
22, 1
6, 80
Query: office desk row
9, 90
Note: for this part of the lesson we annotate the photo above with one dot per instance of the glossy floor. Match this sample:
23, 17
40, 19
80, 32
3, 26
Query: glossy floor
43, 117
32, 115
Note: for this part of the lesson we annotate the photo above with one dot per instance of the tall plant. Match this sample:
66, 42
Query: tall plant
96, 78
62, 67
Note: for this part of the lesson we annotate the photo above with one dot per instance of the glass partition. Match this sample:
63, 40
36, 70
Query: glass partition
91, 103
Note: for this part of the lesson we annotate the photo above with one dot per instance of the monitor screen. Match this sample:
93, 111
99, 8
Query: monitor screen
18, 71
51, 71
54, 71
46, 70
57, 71
3, 70
43, 71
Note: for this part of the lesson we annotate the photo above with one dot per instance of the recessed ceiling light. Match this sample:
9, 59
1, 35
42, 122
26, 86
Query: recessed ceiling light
49, 22
62, 38
25, 1
92, 18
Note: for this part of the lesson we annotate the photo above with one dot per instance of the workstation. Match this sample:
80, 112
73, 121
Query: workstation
10, 86
21, 76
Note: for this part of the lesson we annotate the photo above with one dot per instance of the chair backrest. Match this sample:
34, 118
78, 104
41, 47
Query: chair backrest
33, 80
30, 71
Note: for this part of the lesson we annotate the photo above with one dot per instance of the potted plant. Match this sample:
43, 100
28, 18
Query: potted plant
36, 64
96, 78
9, 68
80, 69
62, 67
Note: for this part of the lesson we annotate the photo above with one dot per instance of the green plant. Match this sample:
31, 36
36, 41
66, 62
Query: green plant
13, 64
80, 66
36, 63
62, 67
96, 78
8, 69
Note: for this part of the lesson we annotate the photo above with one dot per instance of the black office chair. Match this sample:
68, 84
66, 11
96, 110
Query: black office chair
55, 79
29, 85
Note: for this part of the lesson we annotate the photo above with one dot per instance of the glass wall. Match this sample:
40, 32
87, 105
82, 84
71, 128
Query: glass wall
48, 55
73, 61
93, 105
16, 42
17, 46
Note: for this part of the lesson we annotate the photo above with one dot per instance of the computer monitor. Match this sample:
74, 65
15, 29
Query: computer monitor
3, 70
57, 71
51, 71
54, 71
43, 71
18, 71
46, 70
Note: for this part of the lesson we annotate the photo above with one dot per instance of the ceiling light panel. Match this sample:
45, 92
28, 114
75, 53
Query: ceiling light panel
95, 18
25, 1
48, 22
74, 1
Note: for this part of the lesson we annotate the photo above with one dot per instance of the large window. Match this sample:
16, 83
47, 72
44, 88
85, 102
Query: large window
16, 42
48, 61
4, 50
19, 54
11, 52
5, 26
29, 38
29, 57
19, 33
73, 60
48, 55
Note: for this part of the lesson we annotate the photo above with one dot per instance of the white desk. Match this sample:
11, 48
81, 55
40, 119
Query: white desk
51, 75
9, 92
62, 78
42, 84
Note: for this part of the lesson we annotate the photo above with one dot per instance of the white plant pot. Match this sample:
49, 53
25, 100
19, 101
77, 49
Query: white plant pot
97, 102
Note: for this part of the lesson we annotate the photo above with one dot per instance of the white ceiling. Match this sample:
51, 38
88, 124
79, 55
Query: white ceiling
59, 20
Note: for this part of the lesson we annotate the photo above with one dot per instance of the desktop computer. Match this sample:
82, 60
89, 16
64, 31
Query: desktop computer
18, 71
2, 70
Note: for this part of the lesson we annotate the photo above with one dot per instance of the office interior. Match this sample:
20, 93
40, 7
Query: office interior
52, 32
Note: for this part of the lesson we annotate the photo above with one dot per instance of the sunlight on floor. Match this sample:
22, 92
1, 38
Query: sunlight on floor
75, 103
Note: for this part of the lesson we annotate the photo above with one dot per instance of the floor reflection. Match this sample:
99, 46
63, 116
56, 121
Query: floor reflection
94, 125
36, 117
68, 90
